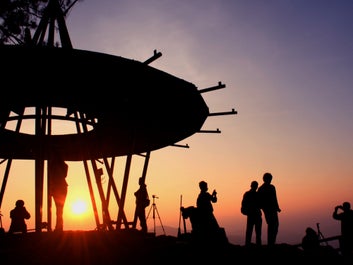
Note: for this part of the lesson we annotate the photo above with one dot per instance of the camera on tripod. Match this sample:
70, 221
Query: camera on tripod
154, 212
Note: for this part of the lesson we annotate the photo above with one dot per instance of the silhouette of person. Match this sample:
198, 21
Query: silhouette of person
57, 172
18, 216
250, 206
208, 223
345, 215
142, 201
269, 205
310, 242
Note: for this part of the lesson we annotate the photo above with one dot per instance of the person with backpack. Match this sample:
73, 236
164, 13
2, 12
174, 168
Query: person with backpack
142, 201
250, 207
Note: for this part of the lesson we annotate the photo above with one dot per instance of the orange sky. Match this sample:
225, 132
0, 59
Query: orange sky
287, 69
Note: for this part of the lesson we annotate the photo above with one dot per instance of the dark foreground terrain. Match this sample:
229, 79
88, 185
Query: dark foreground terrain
130, 247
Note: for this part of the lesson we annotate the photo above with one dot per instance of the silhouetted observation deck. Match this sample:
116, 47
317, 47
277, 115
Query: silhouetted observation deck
89, 106
130, 107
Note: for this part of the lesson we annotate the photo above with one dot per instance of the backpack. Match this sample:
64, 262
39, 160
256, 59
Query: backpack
147, 202
244, 205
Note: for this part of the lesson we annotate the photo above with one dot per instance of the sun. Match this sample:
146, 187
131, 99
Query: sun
79, 207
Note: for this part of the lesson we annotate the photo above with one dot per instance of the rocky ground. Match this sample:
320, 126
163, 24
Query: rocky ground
132, 248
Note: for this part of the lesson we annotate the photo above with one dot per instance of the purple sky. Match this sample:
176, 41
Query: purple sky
287, 65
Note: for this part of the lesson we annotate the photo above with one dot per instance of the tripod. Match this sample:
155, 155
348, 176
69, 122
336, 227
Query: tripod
154, 210
321, 236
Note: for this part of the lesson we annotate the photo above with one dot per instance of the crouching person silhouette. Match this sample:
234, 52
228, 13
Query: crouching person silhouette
18, 216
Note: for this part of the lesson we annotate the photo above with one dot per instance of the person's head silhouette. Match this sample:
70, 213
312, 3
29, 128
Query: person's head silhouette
203, 185
267, 178
346, 206
20, 203
254, 184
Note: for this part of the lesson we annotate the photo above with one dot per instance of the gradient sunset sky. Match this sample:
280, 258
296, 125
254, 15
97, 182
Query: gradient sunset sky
288, 70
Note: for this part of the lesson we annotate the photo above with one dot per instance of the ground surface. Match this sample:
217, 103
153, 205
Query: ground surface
132, 248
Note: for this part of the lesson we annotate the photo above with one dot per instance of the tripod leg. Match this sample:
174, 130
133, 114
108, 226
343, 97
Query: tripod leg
322, 237
320, 233
160, 221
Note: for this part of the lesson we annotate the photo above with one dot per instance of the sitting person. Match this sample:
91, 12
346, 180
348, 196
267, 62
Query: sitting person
18, 216
310, 242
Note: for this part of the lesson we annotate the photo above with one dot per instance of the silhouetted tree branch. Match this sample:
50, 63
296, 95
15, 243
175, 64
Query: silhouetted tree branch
18, 15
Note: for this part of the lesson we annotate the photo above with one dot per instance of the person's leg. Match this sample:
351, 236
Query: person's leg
269, 229
143, 223
142, 217
59, 200
59, 226
248, 232
258, 227
273, 224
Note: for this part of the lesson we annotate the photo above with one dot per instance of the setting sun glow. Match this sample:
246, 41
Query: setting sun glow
79, 207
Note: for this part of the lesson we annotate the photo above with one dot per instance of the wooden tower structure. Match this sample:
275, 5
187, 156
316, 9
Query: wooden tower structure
131, 122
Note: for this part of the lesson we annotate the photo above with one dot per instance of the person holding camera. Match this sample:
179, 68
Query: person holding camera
18, 216
208, 222
344, 213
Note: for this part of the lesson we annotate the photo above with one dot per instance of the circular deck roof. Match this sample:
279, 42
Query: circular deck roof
131, 106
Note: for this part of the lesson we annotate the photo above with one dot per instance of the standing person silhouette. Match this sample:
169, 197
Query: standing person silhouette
208, 222
57, 172
346, 217
142, 201
18, 216
250, 206
269, 205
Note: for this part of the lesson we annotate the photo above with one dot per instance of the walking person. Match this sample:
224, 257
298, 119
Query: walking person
250, 206
344, 213
142, 201
18, 216
270, 207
